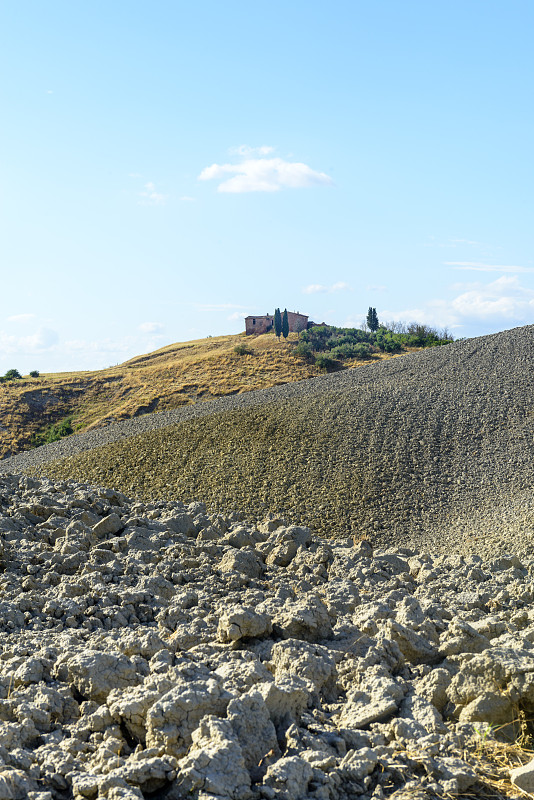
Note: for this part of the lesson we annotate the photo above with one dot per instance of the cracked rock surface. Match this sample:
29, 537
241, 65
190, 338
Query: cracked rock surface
153, 650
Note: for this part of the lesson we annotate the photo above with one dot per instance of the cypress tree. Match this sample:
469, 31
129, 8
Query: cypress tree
372, 319
277, 322
285, 324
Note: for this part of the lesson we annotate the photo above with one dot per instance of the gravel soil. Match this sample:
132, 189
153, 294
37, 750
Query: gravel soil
433, 450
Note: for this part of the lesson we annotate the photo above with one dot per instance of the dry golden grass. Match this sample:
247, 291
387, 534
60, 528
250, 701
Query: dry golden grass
176, 375
495, 760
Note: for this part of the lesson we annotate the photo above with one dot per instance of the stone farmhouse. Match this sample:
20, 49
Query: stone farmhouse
297, 322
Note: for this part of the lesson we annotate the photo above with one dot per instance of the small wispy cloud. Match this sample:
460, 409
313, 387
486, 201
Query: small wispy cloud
42, 340
373, 288
247, 152
151, 327
49, 91
316, 288
237, 315
150, 196
478, 267
21, 318
187, 199
260, 174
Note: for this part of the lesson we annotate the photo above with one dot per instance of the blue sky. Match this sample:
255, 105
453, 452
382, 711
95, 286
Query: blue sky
170, 167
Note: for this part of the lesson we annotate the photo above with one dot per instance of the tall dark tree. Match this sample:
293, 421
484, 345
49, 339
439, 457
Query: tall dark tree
372, 319
277, 322
285, 324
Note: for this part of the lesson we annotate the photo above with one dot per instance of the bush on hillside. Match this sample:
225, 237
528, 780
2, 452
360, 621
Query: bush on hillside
326, 363
387, 341
11, 375
305, 351
242, 350
34, 373
53, 433
348, 343
351, 350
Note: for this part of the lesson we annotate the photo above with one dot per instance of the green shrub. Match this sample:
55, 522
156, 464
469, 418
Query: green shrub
351, 350
242, 350
343, 343
12, 374
34, 373
318, 336
304, 350
53, 433
325, 363
388, 342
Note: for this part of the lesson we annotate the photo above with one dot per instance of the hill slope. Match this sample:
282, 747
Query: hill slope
432, 445
177, 375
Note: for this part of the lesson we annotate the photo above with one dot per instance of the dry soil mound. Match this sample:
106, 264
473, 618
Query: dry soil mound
432, 449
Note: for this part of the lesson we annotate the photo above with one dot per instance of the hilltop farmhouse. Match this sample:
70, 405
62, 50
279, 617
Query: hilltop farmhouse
297, 322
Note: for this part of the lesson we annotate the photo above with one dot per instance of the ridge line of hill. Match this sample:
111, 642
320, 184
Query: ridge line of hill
434, 449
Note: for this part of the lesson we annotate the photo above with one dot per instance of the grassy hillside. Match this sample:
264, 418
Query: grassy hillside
432, 445
176, 375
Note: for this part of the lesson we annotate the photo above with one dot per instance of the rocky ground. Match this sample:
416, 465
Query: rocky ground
150, 650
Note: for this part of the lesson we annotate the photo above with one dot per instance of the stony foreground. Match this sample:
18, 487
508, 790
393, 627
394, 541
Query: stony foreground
154, 651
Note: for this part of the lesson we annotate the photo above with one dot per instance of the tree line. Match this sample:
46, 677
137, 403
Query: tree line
14, 375
329, 346
281, 323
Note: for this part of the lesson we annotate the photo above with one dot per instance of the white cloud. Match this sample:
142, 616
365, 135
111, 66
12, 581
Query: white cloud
247, 152
437, 313
315, 288
504, 298
340, 286
502, 302
237, 315
99, 350
43, 339
151, 327
478, 267
21, 318
263, 174
38, 342
187, 199
151, 197
372, 288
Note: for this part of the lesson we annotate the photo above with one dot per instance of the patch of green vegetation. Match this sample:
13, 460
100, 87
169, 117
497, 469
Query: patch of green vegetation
11, 375
340, 344
53, 433
242, 350
326, 363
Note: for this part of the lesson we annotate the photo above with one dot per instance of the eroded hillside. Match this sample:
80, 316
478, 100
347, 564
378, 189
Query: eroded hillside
177, 375
431, 446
